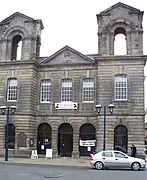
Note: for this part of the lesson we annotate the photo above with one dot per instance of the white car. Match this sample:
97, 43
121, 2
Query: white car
116, 159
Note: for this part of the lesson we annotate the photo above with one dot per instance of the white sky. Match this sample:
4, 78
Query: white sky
69, 22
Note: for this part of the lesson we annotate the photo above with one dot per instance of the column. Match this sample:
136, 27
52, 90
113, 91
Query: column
75, 152
128, 43
55, 142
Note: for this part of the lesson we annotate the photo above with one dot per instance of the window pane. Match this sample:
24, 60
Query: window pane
66, 90
107, 154
46, 91
12, 90
88, 90
119, 155
121, 87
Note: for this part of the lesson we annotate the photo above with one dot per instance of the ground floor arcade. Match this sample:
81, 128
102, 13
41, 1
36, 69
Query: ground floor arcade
72, 141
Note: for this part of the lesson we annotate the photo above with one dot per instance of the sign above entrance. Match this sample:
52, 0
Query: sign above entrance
66, 105
87, 143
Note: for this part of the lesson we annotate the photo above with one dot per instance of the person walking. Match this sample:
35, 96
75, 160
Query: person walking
133, 151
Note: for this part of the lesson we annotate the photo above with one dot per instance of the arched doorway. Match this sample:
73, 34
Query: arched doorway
44, 138
11, 136
65, 140
121, 138
87, 139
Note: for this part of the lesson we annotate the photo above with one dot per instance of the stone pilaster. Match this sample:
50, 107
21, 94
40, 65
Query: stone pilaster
75, 152
54, 143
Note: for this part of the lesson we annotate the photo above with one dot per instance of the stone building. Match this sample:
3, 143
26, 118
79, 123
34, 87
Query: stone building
56, 95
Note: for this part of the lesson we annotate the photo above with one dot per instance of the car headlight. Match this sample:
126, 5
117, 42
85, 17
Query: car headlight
142, 162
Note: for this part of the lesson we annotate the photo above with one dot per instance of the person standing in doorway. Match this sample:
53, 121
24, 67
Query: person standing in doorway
133, 151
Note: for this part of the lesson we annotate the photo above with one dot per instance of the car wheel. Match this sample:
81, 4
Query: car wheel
136, 166
99, 165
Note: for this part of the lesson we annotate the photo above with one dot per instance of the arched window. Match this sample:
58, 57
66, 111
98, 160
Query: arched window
66, 90
121, 138
12, 89
16, 48
46, 91
120, 47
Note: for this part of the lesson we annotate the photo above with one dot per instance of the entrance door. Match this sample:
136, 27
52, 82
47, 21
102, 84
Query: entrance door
87, 132
121, 138
43, 138
65, 140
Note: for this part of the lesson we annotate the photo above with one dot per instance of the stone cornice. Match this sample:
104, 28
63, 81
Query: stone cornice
16, 63
127, 57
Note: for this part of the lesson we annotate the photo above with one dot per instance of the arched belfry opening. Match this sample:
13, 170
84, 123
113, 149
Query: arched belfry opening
113, 25
16, 48
120, 41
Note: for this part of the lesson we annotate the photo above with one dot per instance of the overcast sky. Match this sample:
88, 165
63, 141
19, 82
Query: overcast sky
69, 22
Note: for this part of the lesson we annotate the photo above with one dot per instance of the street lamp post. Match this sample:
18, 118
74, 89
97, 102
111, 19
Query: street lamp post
3, 110
99, 107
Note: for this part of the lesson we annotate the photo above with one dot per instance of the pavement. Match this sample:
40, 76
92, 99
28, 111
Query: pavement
80, 162
61, 161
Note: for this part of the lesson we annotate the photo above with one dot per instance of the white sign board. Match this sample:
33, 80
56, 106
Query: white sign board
66, 105
87, 143
42, 147
34, 154
48, 153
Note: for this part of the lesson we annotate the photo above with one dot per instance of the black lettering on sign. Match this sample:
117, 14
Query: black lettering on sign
57, 105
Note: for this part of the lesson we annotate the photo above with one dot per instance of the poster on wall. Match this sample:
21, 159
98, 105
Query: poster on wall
42, 147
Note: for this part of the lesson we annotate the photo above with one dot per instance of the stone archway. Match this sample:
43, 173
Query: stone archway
65, 140
87, 139
121, 138
44, 138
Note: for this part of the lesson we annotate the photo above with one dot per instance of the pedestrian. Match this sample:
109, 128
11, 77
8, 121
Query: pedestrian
133, 151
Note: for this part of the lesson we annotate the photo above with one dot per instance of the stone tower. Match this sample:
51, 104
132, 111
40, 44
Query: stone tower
120, 19
20, 30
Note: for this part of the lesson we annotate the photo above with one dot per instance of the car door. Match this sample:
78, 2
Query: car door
107, 158
121, 160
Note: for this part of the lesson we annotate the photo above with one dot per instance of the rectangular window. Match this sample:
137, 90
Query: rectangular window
46, 91
66, 90
12, 90
121, 87
88, 90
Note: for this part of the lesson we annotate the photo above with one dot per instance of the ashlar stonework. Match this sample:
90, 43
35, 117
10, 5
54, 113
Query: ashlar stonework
56, 95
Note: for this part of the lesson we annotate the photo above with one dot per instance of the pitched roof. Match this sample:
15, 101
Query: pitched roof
118, 5
50, 58
5, 21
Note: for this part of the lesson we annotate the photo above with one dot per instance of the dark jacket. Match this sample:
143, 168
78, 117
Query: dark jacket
133, 151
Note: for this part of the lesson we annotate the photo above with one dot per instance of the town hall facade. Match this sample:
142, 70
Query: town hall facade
56, 96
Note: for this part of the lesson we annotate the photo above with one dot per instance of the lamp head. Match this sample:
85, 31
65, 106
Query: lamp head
98, 107
3, 109
111, 108
13, 109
